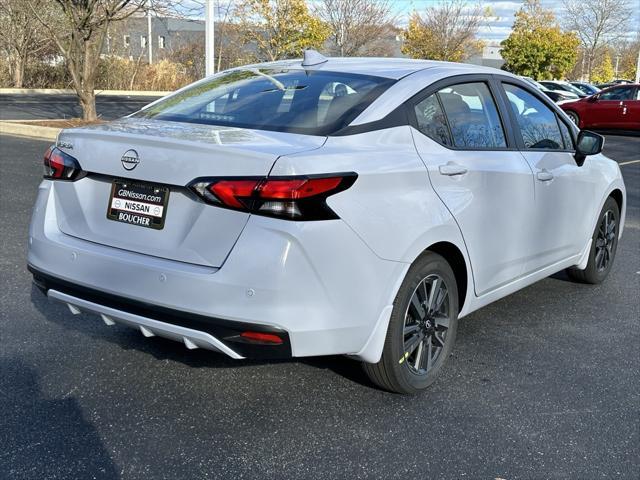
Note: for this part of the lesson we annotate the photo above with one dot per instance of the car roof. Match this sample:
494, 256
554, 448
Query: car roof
620, 85
393, 68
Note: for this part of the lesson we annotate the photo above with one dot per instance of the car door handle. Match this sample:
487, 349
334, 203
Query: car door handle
451, 169
545, 176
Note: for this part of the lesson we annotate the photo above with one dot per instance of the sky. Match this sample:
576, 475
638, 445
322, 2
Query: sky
500, 26
503, 10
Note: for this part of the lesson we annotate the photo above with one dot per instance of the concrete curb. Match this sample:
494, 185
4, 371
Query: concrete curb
67, 91
25, 130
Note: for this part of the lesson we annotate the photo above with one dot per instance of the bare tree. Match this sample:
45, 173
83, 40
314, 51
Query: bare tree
79, 30
447, 31
222, 34
20, 36
597, 23
355, 24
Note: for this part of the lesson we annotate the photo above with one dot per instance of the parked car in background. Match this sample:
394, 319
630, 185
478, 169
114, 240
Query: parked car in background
616, 107
555, 95
564, 87
586, 88
617, 81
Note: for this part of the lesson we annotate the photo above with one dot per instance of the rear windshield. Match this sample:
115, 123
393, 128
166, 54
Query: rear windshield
299, 101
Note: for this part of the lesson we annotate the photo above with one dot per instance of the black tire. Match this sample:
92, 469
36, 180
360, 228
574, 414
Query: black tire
596, 271
575, 118
399, 371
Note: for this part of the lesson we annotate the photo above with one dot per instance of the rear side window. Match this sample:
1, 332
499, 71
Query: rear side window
299, 101
463, 115
538, 123
431, 120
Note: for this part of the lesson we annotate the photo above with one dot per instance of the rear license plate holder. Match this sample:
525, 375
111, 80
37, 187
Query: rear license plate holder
138, 203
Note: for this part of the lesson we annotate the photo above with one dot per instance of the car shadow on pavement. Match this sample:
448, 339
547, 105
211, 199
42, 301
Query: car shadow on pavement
163, 349
343, 366
563, 276
46, 437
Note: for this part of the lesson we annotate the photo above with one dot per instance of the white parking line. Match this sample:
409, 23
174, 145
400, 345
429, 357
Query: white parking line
629, 162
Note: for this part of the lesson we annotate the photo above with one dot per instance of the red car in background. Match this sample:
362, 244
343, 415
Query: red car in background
616, 107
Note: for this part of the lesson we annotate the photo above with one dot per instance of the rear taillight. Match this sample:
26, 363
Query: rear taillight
60, 166
292, 198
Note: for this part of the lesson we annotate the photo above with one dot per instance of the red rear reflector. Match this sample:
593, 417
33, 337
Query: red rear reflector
298, 188
262, 337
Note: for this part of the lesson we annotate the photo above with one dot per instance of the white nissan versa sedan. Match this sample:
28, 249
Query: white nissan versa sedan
325, 206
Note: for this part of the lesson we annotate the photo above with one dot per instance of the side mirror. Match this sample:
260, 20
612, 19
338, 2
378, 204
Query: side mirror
594, 97
589, 143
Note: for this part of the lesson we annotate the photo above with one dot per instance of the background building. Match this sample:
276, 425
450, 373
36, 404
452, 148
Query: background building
130, 38
489, 57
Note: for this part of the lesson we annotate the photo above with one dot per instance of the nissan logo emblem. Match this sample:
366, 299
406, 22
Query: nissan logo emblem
130, 160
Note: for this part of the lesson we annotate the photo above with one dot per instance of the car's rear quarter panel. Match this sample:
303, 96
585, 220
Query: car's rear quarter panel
391, 206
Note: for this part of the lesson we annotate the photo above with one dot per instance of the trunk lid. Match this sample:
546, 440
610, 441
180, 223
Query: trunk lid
170, 154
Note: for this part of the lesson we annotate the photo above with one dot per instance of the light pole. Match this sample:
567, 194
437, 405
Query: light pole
149, 37
209, 51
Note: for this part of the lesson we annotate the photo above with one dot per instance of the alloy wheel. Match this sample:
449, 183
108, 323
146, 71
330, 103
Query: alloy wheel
574, 118
426, 323
605, 241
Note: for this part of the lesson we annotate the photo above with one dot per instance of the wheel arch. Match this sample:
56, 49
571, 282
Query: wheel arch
617, 195
617, 191
568, 112
454, 257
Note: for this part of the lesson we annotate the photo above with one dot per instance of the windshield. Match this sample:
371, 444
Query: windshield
299, 101
586, 88
539, 86
572, 88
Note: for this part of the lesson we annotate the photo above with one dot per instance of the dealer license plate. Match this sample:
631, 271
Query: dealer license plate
138, 203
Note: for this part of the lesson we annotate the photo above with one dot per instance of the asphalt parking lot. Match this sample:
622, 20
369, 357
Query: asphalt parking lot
543, 384
41, 106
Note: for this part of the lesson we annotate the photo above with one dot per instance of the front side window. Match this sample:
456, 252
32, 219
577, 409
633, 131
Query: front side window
538, 123
299, 101
566, 87
619, 93
472, 115
566, 136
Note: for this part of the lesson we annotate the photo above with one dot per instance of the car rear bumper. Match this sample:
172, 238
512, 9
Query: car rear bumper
315, 284
195, 331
